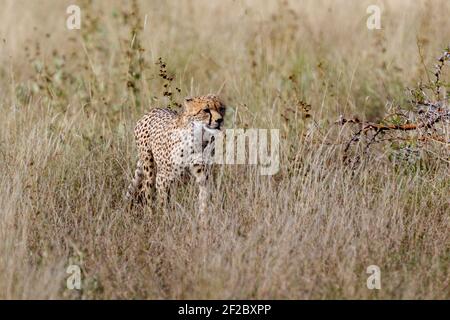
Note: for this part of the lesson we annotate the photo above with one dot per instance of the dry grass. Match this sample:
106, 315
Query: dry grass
68, 103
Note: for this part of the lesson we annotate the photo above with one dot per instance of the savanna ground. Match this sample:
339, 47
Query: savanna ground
69, 100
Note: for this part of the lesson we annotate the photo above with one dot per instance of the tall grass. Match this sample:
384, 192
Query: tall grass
69, 101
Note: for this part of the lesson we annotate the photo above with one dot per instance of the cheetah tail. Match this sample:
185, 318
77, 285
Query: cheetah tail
135, 186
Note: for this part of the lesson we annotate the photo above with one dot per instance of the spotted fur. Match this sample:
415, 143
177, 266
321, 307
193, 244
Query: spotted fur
165, 141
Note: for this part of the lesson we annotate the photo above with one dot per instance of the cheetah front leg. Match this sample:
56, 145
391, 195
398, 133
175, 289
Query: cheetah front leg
201, 177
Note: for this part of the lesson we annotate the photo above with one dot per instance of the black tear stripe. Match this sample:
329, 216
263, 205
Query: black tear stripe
210, 115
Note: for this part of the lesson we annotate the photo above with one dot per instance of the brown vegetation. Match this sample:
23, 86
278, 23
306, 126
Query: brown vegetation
69, 101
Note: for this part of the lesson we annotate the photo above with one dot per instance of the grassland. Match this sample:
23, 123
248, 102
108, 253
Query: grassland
69, 100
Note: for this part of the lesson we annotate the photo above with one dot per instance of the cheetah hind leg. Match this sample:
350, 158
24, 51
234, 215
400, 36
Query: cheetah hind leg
163, 192
148, 185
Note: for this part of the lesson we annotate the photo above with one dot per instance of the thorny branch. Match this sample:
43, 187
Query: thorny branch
422, 121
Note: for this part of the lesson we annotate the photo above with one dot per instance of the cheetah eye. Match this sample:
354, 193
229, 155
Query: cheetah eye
222, 110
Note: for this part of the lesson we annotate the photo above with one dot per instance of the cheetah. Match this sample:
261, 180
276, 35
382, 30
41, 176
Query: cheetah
166, 142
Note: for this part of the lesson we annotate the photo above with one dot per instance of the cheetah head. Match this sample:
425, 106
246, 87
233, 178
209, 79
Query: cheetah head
207, 110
